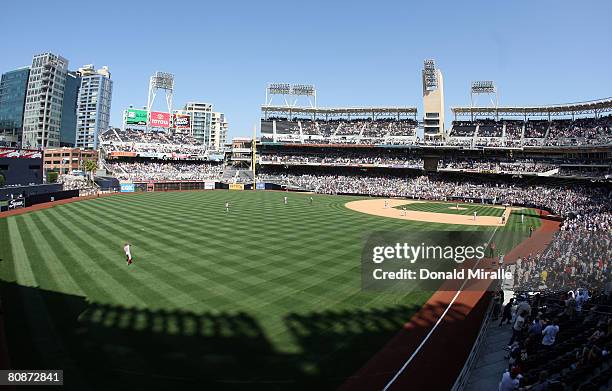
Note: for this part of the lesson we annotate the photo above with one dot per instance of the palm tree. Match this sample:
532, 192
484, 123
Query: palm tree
90, 166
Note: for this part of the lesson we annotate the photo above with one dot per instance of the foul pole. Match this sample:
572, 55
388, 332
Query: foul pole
254, 155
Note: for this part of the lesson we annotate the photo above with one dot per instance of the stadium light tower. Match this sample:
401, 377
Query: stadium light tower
433, 100
291, 94
484, 87
161, 81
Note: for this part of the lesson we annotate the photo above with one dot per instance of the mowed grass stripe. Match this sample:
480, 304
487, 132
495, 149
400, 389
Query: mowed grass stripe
24, 274
61, 274
95, 277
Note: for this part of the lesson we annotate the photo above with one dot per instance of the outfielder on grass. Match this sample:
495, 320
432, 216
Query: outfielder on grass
128, 253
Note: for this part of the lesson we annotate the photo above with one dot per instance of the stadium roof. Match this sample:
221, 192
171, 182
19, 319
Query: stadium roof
339, 110
588, 107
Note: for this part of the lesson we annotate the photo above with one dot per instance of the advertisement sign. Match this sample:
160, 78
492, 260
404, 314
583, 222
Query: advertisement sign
127, 187
136, 117
236, 186
159, 119
16, 203
209, 185
260, 186
122, 154
182, 121
20, 153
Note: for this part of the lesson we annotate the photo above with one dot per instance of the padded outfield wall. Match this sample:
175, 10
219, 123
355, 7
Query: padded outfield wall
21, 171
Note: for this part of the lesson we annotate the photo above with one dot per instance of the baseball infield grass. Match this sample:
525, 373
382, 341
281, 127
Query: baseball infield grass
267, 293
450, 208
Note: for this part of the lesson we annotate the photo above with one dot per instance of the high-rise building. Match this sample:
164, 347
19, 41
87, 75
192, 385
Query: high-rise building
218, 131
207, 126
13, 87
93, 105
44, 99
69, 110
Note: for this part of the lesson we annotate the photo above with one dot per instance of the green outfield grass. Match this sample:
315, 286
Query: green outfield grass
266, 292
445, 207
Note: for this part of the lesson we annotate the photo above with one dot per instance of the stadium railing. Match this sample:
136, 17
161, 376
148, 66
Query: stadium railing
464, 375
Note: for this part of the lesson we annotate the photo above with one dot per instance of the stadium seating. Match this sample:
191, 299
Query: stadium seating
150, 170
152, 143
359, 131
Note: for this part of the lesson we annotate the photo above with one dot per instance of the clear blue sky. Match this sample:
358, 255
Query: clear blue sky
356, 53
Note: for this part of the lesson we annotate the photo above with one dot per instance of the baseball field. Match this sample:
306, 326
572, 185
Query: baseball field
266, 293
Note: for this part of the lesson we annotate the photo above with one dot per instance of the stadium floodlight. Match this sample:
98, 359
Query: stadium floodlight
483, 87
430, 77
291, 93
161, 81
279, 89
303, 89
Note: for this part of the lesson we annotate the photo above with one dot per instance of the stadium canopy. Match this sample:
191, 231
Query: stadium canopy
594, 107
318, 112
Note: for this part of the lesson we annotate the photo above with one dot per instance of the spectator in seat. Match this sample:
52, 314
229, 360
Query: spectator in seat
510, 380
524, 306
537, 326
517, 327
549, 334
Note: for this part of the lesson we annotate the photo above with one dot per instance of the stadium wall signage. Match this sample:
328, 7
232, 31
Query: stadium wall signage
16, 203
236, 186
159, 119
20, 153
182, 121
127, 187
136, 117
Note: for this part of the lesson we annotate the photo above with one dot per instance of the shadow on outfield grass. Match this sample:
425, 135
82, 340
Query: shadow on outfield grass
103, 347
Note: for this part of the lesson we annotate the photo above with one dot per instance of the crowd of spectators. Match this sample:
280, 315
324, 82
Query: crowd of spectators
536, 128
490, 128
357, 131
139, 141
514, 166
492, 166
77, 182
582, 131
572, 259
488, 132
514, 130
161, 170
343, 159
562, 132
463, 129
560, 340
